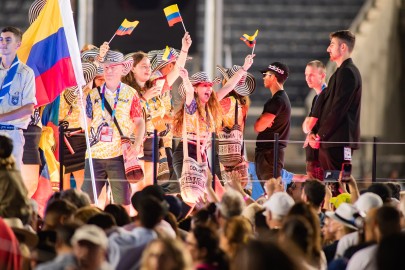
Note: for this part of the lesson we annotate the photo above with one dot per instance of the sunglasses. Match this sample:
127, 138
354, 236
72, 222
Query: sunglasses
267, 73
205, 84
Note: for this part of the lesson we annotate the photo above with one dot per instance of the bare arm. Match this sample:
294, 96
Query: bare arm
265, 121
25, 110
181, 61
233, 81
309, 124
139, 132
187, 85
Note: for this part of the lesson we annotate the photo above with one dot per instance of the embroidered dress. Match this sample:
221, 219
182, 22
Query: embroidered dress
228, 108
128, 107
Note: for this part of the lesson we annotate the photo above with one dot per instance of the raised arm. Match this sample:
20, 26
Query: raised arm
233, 81
187, 85
181, 61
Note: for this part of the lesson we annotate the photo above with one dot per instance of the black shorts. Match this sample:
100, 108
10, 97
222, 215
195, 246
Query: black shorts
114, 170
148, 149
31, 147
74, 162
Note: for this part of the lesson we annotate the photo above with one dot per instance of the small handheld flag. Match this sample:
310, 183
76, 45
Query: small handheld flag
125, 28
250, 40
173, 16
167, 55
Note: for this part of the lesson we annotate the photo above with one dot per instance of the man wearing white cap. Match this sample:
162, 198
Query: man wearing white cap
277, 208
89, 248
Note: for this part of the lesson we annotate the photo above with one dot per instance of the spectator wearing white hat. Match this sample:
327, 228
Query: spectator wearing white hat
387, 223
277, 208
89, 248
340, 224
365, 203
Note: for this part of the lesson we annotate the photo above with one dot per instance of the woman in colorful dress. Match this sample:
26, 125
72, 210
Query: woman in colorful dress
151, 100
235, 107
202, 108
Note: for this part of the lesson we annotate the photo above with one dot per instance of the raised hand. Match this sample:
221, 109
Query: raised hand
248, 61
151, 92
103, 50
183, 73
186, 42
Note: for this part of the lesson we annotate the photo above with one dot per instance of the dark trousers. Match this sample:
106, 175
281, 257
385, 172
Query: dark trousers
264, 162
332, 158
114, 170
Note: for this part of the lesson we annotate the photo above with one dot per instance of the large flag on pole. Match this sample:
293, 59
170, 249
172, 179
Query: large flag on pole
50, 48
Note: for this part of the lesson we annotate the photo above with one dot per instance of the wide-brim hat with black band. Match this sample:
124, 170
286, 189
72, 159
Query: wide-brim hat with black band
195, 79
345, 214
89, 73
90, 56
245, 86
35, 9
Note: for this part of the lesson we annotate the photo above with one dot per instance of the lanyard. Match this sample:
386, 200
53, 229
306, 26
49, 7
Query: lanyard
115, 102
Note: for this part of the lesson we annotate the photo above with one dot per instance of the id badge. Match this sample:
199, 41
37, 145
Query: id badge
106, 134
347, 153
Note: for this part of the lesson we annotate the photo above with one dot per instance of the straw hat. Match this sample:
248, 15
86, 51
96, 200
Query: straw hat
35, 9
24, 234
197, 78
244, 87
89, 72
90, 56
114, 57
157, 62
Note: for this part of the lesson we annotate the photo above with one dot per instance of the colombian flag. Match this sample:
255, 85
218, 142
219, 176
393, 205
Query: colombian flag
249, 40
126, 27
172, 14
50, 48
167, 55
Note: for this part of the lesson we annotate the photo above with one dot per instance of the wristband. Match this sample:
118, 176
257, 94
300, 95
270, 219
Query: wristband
100, 59
247, 197
244, 69
184, 51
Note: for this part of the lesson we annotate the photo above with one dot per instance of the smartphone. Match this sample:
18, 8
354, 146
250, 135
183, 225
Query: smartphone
346, 171
160, 83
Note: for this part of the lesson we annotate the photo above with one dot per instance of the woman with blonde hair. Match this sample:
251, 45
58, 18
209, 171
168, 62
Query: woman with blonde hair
236, 233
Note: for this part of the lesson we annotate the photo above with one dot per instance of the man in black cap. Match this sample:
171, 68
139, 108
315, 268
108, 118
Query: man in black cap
275, 118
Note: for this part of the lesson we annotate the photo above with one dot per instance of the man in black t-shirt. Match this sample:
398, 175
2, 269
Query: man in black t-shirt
315, 73
275, 118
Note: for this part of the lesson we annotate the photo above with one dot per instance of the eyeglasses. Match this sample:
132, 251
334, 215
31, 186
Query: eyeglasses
267, 73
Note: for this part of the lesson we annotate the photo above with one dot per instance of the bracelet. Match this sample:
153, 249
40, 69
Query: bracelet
100, 59
247, 197
184, 51
244, 69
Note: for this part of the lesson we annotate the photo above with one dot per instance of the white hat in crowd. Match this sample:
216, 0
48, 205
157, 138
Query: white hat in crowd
345, 214
91, 233
279, 204
368, 200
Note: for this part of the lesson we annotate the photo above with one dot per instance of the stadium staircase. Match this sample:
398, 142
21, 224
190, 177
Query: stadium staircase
14, 13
